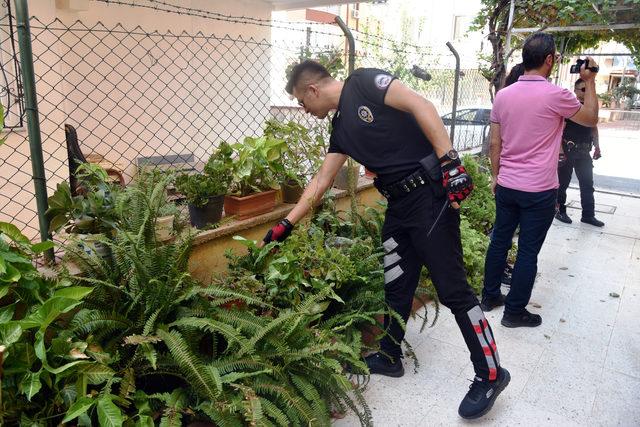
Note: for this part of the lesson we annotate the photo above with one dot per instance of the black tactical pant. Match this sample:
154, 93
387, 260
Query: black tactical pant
407, 249
580, 160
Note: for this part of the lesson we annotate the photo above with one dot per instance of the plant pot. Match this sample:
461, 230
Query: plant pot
90, 244
251, 205
164, 228
342, 178
291, 192
209, 214
371, 332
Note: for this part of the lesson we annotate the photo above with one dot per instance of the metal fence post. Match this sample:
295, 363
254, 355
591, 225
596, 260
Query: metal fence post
351, 40
33, 120
455, 91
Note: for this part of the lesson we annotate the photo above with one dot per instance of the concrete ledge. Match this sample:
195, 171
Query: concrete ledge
207, 257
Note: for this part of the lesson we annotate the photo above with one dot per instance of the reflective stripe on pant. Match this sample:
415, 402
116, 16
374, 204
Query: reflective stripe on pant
407, 249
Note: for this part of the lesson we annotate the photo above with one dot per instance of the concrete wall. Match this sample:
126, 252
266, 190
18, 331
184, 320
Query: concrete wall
131, 89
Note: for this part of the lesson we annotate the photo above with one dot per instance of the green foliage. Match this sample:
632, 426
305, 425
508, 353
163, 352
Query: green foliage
626, 92
214, 181
257, 164
40, 361
332, 58
92, 210
479, 208
303, 152
494, 14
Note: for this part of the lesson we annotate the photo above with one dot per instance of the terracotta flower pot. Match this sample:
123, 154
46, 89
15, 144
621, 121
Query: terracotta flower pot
208, 214
251, 205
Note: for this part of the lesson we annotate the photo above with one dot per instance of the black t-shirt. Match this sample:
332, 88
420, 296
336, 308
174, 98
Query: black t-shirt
577, 133
385, 140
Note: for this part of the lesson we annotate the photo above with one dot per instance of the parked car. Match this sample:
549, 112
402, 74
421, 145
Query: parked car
472, 127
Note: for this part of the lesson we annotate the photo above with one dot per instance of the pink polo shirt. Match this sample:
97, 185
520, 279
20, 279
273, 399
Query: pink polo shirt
531, 115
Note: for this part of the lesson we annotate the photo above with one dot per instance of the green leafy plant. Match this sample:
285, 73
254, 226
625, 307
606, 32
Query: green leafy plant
214, 181
41, 363
257, 164
92, 210
479, 208
303, 152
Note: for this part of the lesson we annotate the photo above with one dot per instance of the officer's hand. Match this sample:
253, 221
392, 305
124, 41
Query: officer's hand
457, 182
597, 154
278, 232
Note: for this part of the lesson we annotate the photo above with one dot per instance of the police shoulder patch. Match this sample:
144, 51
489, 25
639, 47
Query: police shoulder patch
382, 81
365, 114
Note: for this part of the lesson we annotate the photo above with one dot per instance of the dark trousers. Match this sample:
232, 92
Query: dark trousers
534, 213
583, 165
407, 249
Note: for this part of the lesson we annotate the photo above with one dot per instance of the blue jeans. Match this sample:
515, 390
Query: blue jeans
534, 213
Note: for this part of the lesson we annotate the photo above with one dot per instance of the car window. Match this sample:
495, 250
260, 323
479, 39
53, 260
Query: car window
483, 115
466, 116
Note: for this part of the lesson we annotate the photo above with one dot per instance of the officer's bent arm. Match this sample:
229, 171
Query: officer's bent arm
494, 149
317, 186
402, 98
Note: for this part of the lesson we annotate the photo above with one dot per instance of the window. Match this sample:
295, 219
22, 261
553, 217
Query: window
461, 25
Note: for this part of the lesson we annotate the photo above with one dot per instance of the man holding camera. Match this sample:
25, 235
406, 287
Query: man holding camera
399, 135
527, 122
577, 141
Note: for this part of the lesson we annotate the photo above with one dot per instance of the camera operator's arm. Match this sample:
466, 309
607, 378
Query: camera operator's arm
587, 115
494, 154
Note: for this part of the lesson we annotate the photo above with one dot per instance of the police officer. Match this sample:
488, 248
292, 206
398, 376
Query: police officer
577, 141
398, 134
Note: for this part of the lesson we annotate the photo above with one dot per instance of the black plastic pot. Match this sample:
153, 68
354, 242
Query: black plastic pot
291, 191
209, 214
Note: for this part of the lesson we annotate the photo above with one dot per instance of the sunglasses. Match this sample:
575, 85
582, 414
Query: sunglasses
582, 89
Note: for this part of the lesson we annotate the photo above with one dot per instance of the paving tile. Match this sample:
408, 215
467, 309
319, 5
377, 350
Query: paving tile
564, 386
623, 354
616, 402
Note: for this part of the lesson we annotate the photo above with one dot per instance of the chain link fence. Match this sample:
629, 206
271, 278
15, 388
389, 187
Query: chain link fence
137, 97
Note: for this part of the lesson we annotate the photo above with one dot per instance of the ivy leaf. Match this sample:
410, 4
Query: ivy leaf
109, 415
10, 333
13, 233
30, 384
42, 246
81, 406
6, 313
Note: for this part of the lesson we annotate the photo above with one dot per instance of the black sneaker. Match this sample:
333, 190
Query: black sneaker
524, 319
482, 394
380, 364
563, 217
593, 221
488, 304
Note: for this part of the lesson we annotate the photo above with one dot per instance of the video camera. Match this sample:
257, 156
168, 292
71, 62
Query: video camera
575, 68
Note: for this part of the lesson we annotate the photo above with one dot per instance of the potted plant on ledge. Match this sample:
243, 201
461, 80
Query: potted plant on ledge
90, 216
301, 158
255, 169
205, 192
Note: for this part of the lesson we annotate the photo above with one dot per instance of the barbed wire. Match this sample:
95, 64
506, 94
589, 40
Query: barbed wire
286, 25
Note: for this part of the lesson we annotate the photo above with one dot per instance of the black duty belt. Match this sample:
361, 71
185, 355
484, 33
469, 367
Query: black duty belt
404, 186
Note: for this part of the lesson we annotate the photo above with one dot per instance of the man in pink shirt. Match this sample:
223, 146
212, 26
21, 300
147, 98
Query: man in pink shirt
527, 121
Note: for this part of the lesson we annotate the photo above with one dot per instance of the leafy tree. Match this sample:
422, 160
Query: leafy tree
494, 16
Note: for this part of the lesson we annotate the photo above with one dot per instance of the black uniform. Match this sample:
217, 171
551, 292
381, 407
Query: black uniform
390, 143
576, 143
